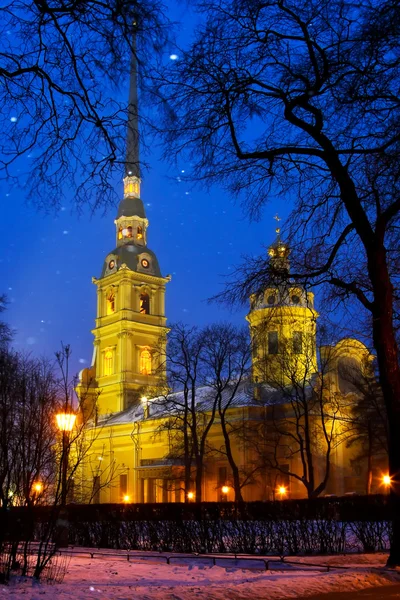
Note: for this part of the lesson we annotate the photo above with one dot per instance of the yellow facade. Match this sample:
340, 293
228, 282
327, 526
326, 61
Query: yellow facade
129, 456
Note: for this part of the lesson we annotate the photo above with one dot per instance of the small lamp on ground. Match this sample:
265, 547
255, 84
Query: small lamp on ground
126, 499
386, 480
190, 496
37, 487
282, 491
225, 490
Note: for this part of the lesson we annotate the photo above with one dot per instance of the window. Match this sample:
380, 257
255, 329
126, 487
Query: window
96, 490
108, 362
139, 232
145, 362
111, 302
129, 232
123, 485
297, 342
272, 342
120, 233
144, 304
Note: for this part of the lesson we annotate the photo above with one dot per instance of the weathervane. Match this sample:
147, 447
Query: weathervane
277, 218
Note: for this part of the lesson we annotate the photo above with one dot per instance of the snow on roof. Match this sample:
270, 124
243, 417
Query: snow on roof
205, 396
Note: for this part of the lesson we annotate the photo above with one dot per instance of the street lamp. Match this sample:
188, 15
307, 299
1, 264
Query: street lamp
190, 495
225, 489
126, 498
37, 487
65, 423
386, 480
282, 491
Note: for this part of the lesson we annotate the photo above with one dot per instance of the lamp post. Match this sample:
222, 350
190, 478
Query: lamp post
65, 423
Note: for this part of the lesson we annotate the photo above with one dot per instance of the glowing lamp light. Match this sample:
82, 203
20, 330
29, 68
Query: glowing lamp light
225, 489
125, 232
190, 495
37, 487
386, 480
65, 421
144, 399
282, 491
126, 498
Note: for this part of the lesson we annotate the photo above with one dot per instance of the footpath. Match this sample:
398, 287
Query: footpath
382, 593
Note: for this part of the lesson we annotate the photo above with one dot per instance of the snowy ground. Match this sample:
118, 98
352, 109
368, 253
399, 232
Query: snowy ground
114, 578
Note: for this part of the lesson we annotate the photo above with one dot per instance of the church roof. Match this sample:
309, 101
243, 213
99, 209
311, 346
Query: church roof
131, 207
163, 406
130, 255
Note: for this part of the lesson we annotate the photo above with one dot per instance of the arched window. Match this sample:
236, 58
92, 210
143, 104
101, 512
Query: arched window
139, 232
111, 302
108, 362
144, 304
120, 233
145, 362
129, 232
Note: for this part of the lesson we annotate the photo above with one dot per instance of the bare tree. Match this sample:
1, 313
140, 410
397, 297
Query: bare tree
28, 400
226, 358
37, 465
299, 427
190, 417
366, 425
5, 330
302, 97
60, 69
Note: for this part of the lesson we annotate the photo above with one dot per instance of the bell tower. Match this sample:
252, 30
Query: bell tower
282, 323
130, 331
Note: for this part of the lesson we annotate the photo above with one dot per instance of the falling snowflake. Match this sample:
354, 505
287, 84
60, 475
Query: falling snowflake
173, 56
13, 119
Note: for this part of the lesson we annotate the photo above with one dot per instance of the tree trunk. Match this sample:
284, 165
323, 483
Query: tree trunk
387, 356
231, 460
199, 480
369, 464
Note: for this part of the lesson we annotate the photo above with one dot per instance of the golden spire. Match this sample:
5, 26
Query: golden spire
132, 168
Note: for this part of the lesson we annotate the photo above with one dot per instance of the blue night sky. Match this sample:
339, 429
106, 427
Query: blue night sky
48, 260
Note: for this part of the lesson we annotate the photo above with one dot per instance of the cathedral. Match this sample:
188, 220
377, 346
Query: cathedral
129, 457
